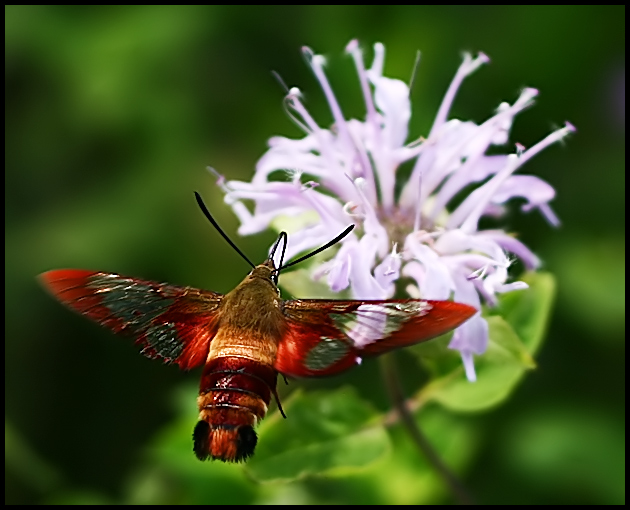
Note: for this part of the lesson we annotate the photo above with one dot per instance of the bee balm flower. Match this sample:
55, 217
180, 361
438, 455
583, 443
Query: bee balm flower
347, 174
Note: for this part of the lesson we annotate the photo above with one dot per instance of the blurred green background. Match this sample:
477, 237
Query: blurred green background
112, 114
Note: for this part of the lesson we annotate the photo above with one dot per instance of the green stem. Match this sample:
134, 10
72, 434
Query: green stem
389, 370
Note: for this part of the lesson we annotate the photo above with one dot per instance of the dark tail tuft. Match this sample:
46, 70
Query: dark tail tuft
201, 437
227, 443
247, 440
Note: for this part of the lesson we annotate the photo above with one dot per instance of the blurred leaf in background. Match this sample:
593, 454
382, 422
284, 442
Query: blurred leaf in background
112, 115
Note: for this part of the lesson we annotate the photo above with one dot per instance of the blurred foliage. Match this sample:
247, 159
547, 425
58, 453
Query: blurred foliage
112, 114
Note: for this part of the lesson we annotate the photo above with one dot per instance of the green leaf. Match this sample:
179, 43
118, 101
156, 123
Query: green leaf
516, 332
402, 476
528, 311
436, 358
324, 432
498, 370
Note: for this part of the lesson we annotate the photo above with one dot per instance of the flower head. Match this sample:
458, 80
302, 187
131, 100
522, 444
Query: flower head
347, 174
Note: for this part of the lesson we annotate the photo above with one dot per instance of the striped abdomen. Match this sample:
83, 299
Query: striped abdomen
233, 396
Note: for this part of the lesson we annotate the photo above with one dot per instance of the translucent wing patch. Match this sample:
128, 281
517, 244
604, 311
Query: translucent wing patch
169, 322
372, 322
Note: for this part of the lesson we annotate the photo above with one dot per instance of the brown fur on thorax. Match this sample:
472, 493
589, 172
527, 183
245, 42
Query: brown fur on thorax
251, 319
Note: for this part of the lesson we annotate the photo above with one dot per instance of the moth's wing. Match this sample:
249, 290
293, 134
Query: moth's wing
312, 345
326, 337
174, 323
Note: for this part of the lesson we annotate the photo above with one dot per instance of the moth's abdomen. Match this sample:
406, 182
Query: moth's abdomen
233, 396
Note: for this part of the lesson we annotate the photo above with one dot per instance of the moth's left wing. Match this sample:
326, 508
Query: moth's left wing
169, 322
325, 337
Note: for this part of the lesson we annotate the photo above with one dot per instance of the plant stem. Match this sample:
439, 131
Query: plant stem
388, 367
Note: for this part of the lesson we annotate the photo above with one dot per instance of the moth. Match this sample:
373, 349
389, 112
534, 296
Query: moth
245, 338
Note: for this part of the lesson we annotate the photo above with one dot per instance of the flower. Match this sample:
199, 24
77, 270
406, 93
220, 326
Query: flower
420, 232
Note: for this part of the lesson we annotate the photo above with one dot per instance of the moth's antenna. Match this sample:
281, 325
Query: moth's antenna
205, 211
318, 250
283, 235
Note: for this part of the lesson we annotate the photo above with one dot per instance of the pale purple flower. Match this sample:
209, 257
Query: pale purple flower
347, 174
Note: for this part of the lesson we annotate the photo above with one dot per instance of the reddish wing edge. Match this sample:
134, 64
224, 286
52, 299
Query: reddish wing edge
326, 337
174, 323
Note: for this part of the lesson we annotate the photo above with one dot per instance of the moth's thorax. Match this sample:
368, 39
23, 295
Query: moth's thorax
251, 320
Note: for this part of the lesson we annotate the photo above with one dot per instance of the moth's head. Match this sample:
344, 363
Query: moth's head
266, 271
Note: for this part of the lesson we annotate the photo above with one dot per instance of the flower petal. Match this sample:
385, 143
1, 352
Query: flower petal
436, 282
470, 338
512, 245
388, 271
536, 191
364, 285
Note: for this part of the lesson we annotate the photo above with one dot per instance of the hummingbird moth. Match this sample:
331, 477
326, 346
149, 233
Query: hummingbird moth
245, 338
